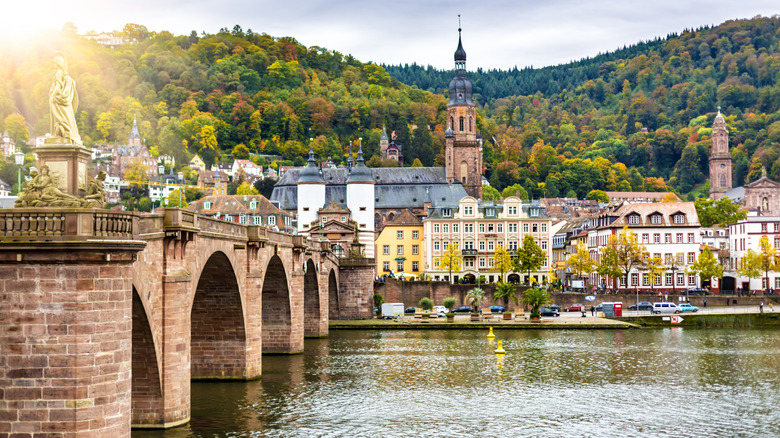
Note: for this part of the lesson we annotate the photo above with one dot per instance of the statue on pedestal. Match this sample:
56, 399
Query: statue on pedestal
96, 197
63, 103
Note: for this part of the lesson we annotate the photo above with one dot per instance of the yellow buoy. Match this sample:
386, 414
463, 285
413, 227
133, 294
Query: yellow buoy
490, 334
500, 349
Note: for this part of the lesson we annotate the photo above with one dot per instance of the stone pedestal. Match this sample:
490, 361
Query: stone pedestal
66, 322
68, 165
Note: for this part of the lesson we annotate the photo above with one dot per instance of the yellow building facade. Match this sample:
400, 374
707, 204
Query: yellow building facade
399, 247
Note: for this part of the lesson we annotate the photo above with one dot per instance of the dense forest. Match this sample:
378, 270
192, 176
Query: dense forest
635, 119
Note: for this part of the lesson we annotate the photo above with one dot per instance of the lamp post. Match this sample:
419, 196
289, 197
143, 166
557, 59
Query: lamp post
674, 269
160, 173
19, 158
403, 278
181, 186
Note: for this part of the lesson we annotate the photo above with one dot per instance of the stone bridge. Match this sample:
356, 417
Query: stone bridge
94, 297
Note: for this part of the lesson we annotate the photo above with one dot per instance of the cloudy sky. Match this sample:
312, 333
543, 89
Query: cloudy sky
496, 33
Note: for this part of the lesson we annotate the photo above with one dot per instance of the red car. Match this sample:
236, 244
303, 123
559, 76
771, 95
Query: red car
576, 307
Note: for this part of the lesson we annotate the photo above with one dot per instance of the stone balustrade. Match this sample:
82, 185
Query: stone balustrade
66, 224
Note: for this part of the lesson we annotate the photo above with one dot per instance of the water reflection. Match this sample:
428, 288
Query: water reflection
665, 382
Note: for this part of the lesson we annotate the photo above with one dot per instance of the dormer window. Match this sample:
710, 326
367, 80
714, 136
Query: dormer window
490, 212
207, 205
253, 204
633, 219
534, 212
446, 212
679, 218
655, 219
468, 211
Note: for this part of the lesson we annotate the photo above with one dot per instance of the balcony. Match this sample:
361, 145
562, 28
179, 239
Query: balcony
469, 252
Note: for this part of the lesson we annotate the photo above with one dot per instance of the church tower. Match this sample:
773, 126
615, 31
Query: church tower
463, 153
311, 194
720, 160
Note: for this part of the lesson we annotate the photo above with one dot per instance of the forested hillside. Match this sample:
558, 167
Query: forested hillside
548, 122
635, 119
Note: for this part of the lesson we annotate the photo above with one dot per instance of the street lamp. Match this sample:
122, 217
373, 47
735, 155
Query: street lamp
181, 186
403, 277
674, 268
19, 158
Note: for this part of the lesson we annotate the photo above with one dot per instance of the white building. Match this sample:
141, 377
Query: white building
669, 230
745, 235
249, 167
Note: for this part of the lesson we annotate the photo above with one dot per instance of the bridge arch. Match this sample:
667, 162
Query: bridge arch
314, 322
217, 327
277, 308
146, 387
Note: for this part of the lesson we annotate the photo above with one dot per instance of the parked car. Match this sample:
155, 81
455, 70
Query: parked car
687, 307
440, 310
547, 311
643, 305
600, 307
555, 307
576, 307
665, 308
697, 291
410, 309
495, 308
462, 309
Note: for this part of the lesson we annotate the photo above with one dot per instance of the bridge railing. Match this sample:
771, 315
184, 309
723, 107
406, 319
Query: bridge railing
43, 224
217, 226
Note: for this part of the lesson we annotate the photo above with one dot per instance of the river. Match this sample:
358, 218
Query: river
551, 383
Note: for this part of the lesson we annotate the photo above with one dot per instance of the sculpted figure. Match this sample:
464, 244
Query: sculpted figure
31, 193
63, 102
96, 197
51, 196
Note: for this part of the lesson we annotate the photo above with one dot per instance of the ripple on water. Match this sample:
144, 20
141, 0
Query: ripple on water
636, 383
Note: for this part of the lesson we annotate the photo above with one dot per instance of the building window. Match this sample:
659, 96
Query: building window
399, 234
513, 246
668, 259
633, 219
679, 218
512, 228
207, 205
481, 228
446, 212
534, 228
415, 249
436, 228
490, 228
253, 204
691, 280
400, 249
680, 279
362, 208
343, 218
415, 234
400, 266
481, 245
490, 212
777, 228
645, 238
468, 211
525, 228
257, 220
454, 228
490, 245
544, 228
763, 228
512, 211
691, 257
271, 220
499, 228
242, 219
668, 238
468, 228
435, 246
386, 249
634, 279
386, 266
468, 245
481, 262
324, 219
656, 238
445, 228
444, 245
680, 258
679, 237
691, 238
415, 266
668, 279
655, 219
645, 280
544, 245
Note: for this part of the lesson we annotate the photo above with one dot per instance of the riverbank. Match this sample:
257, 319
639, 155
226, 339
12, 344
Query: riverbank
739, 320
463, 323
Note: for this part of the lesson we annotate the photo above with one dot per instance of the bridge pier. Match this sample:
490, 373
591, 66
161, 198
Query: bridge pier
66, 323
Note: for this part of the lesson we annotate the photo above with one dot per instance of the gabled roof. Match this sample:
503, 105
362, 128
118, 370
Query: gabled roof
235, 204
405, 219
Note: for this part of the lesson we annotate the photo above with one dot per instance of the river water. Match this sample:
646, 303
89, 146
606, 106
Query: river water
551, 383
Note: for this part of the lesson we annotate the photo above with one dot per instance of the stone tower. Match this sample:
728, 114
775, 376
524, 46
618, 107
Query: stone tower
311, 194
383, 143
720, 160
360, 201
463, 153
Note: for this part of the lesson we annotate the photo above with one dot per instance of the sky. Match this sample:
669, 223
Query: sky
497, 34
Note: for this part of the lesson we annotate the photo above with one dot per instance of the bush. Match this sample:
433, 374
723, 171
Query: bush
449, 302
426, 303
378, 300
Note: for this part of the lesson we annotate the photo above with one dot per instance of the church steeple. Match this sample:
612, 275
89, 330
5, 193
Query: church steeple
463, 151
720, 159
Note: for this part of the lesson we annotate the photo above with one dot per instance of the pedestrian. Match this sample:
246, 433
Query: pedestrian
592, 310
705, 302
771, 307
761, 307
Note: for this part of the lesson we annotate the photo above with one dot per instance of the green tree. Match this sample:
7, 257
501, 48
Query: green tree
449, 303
623, 253
707, 266
506, 292
513, 190
722, 212
17, 129
450, 260
655, 269
535, 298
750, 264
490, 194
529, 256
136, 171
426, 303
599, 196
174, 197
240, 152
246, 189
417, 163
474, 298
768, 257
503, 261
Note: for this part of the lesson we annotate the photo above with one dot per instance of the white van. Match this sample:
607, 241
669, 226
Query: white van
392, 310
665, 308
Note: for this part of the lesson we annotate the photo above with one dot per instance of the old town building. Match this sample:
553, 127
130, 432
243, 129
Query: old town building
400, 246
720, 160
478, 229
244, 209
